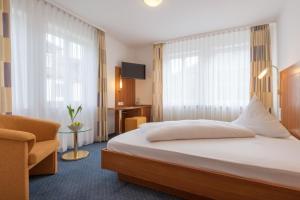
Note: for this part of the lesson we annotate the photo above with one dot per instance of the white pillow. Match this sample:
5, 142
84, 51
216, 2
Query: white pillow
202, 130
259, 120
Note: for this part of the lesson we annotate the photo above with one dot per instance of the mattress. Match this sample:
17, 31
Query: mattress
272, 160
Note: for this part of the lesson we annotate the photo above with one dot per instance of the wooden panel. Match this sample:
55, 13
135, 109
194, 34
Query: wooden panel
199, 182
127, 93
290, 99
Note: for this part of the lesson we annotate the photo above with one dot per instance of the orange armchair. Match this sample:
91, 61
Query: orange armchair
27, 146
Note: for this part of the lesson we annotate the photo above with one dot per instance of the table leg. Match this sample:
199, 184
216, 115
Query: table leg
75, 154
75, 144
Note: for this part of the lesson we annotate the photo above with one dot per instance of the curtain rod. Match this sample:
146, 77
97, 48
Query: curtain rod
72, 13
208, 33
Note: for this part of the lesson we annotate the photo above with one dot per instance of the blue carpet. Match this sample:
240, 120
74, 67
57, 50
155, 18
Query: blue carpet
85, 180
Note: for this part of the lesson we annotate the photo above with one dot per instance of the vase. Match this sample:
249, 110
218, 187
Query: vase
75, 128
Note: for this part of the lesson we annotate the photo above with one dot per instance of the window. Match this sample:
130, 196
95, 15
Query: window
207, 76
60, 51
55, 63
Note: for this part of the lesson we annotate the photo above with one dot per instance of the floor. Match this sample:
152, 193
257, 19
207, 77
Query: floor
85, 180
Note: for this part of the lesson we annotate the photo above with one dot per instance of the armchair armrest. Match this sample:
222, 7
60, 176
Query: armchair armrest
18, 136
14, 150
42, 129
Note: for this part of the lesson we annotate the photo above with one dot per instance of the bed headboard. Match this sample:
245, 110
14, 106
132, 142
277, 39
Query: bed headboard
290, 99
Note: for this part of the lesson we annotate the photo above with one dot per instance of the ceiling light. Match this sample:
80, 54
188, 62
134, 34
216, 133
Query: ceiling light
152, 3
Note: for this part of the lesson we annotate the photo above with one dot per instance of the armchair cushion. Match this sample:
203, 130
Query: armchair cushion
41, 150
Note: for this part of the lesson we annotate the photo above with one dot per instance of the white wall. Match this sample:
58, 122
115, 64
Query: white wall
116, 52
289, 34
143, 88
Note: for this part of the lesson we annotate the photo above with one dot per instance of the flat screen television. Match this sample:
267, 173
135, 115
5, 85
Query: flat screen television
133, 70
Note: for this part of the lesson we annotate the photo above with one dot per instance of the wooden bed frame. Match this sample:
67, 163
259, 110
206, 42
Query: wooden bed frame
191, 183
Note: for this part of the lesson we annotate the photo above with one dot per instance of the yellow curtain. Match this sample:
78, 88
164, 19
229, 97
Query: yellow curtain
102, 91
157, 101
5, 58
261, 60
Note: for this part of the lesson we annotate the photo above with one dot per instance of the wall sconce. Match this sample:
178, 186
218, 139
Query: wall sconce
264, 72
120, 102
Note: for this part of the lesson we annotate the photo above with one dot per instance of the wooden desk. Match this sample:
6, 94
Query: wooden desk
123, 112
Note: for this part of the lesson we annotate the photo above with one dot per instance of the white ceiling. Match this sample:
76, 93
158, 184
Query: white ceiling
134, 23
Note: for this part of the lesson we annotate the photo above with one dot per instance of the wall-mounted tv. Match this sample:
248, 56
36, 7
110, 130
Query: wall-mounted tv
133, 70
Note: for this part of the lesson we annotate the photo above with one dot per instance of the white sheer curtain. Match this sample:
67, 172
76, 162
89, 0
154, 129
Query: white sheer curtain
207, 76
55, 63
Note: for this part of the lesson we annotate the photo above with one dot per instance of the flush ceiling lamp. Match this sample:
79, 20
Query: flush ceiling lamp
152, 3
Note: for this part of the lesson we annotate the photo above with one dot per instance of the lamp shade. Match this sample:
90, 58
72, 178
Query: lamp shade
263, 73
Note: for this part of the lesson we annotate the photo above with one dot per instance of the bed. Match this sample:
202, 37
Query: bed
251, 168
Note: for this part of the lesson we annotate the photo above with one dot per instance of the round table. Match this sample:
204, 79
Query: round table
75, 154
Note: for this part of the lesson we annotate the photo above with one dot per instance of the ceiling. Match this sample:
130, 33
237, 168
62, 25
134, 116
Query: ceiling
134, 23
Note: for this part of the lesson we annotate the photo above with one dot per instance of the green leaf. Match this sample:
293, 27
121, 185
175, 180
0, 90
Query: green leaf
71, 112
79, 109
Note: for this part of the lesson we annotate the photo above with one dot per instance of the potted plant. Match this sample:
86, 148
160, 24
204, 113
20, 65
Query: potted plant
75, 125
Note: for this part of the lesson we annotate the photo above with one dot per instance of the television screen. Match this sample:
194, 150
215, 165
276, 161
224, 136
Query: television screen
132, 70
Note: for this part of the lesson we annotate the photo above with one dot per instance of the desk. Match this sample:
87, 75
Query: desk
129, 111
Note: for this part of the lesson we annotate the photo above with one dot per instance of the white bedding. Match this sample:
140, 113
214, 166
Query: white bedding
268, 159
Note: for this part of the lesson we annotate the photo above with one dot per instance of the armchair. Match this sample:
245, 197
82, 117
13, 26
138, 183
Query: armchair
27, 146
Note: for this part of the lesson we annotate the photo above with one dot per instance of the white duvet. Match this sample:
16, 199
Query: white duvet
194, 129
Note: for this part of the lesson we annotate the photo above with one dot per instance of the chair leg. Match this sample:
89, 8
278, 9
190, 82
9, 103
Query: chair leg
46, 167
